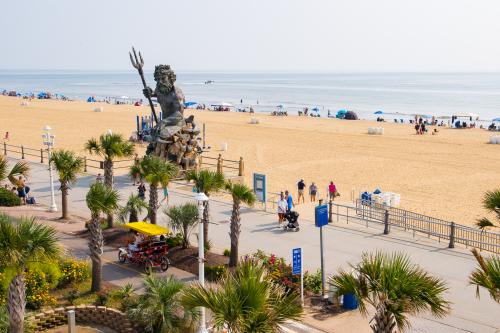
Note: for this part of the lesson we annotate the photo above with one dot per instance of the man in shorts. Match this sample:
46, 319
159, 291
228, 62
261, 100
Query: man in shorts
300, 187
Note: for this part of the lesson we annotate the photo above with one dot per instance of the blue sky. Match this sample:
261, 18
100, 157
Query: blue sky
253, 35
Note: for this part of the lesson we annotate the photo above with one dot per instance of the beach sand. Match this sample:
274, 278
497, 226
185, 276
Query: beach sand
442, 175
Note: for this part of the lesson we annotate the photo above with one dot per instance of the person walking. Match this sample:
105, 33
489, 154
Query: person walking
332, 190
142, 191
21, 189
300, 189
289, 200
282, 207
165, 194
313, 190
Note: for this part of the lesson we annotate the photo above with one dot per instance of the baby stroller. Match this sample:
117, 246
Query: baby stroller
293, 221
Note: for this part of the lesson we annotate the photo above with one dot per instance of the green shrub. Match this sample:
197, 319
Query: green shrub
214, 273
4, 319
102, 297
227, 253
8, 199
51, 270
174, 240
37, 289
73, 271
312, 282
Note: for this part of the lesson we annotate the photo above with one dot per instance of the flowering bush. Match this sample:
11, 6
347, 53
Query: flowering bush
37, 289
73, 271
279, 271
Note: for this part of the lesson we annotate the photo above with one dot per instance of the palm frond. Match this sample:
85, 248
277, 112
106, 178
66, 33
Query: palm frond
391, 283
206, 181
487, 275
484, 222
101, 199
21, 168
241, 192
93, 147
3, 168
67, 164
26, 240
157, 171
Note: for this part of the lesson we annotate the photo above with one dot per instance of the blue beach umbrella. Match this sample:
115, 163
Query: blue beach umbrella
496, 119
379, 112
188, 104
316, 109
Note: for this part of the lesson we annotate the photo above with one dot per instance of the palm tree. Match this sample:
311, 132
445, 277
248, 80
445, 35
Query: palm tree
156, 172
491, 202
395, 287
20, 243
100, 199
159, 309
110, 146
241, 194
21, 168
68, 166
207, 182
133, 208
183, 218
487, 275
246, 300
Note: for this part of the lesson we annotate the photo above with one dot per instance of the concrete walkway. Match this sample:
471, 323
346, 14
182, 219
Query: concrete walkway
344, 243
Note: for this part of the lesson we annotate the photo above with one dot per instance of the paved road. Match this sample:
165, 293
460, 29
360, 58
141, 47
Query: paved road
344, 243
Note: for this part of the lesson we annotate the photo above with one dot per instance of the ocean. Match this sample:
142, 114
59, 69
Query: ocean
437, 94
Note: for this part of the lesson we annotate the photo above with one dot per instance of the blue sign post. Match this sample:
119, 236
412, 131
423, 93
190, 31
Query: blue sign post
297, 269
321, 219
259, 187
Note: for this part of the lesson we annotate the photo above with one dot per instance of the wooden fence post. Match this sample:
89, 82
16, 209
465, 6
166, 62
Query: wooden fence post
200, 163
41, 155
22, 152
85, 164
219, 163
241, 168
4, 148
330, 210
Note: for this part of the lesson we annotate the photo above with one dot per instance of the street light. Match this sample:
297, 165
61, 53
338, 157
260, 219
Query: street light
48, 140
201, 198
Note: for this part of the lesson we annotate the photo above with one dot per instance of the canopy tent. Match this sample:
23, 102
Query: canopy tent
147, 228
470, 115
378, 112
188, 104
223, 104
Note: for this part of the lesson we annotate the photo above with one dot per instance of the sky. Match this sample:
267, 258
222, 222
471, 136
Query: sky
253, 35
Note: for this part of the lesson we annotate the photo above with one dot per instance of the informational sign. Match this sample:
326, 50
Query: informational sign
297, 261
321, 215
259, 186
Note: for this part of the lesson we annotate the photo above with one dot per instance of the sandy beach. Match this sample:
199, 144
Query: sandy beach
442, 175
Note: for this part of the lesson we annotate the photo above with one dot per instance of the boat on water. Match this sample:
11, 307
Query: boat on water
209, 82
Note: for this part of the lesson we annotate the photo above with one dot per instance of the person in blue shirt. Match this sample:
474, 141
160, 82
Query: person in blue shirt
289, 200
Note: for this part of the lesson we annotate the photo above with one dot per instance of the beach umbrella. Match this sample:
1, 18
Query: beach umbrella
188, 104
379, 112
316, 109
496, 119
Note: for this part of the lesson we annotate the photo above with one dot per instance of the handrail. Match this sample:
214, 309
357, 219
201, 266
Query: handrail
366, 212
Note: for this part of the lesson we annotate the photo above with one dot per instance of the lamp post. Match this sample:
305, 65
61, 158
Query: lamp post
48, 140
201, 198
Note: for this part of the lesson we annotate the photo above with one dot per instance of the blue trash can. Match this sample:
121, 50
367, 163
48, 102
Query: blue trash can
350, 302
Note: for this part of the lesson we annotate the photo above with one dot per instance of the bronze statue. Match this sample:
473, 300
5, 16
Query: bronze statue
173, 137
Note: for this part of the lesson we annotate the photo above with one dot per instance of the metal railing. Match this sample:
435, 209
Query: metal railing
366, 212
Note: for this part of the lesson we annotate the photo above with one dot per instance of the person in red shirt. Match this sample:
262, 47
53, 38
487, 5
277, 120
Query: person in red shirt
332, 190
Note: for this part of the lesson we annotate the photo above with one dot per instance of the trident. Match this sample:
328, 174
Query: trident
138, 63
